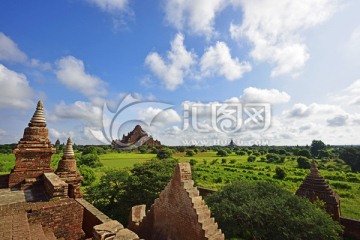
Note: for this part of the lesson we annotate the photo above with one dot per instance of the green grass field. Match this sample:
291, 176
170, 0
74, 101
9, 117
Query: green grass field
213, 172
124, 160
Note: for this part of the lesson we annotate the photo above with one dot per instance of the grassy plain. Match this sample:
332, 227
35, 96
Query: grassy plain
212, 171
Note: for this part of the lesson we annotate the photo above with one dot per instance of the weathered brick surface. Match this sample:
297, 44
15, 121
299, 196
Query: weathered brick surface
178, 214
33, 152
14, 227
54, 186
315, 187
352, 228
63, 218
91, 217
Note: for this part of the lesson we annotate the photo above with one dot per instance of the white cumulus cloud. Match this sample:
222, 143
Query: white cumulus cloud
110, 5
158, 116
275, 29
175, 67
9, 50
15, 89
79, 110
273, 96
197, 17
217, 60
71, 72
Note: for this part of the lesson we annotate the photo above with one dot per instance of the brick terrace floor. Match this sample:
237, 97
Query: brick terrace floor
34, 194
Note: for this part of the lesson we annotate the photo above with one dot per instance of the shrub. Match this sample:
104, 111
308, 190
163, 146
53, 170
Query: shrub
279, 173
90, 160
251, 158
164, 153
88, 174
303, 163
190, 153
222, 153
192, 162
269, 212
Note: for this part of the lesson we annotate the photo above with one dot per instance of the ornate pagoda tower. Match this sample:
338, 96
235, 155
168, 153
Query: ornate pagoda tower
33, 152
67, 171
315, 186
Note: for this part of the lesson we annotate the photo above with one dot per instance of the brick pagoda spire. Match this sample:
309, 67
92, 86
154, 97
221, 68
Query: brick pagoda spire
67, 170
33, 152
315, 186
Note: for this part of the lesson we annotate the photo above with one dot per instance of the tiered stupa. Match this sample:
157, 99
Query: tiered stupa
67, 171
315, 187
33, 152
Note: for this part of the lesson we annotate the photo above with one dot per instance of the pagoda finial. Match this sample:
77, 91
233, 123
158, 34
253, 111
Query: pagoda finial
69, 149
38, 116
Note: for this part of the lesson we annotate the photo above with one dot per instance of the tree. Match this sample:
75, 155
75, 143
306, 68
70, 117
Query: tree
316, 146
251, 158
304, 152
279, 173
222, 153
303, 162
90, 160
263, 210
164, 153
351, 156
142, 149
273, 158
119, 190
109, 195
190, 153
88, 174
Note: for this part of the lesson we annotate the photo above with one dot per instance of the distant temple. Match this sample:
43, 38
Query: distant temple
232, 144
136, 138
315, 187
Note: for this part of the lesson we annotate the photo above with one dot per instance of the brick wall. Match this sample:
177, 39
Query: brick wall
91, 217
178, 214
352, 228
54, 186
64, 217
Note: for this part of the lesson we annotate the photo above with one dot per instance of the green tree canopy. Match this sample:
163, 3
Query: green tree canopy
119, 190
265, 211
222, 153
90, 160
164, 153
303, 162
352, 157
316, 146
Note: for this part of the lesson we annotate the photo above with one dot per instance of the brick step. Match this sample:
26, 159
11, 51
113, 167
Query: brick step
17, 227
208, 222
211, 230
201, 209
217, 236
193, 192
203, 216
37, 232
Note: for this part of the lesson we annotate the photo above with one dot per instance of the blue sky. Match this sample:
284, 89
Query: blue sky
302, 57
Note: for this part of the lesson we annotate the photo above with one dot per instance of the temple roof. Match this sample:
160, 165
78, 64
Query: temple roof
315, 185
69, 149
38, 116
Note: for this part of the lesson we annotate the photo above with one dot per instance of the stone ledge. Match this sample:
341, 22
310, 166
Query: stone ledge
54, 186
